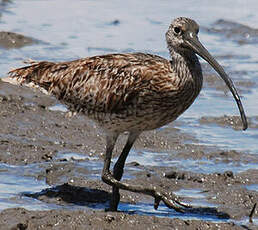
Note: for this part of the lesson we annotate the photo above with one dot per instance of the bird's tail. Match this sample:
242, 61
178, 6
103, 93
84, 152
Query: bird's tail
35, 75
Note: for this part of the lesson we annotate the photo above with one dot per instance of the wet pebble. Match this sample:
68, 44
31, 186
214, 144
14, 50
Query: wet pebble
174, 175
228, 174
148, 174
47, 157
109, 218
196, 179
3, 98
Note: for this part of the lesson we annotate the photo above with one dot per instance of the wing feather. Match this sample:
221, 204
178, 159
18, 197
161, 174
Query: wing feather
108, 83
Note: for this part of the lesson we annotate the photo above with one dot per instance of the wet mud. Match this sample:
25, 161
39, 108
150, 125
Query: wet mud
11, 40
67, 152
25, 219
242, 34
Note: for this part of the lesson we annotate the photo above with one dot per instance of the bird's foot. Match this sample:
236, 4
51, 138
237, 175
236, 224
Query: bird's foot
170, 200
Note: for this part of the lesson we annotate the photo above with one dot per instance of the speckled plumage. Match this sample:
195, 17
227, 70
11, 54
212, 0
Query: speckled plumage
131, 92
121, 92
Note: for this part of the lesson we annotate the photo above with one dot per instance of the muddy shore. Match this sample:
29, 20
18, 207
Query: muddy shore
32, 133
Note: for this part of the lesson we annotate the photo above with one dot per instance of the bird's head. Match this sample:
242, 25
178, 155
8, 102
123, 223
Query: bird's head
180, 34
182, 38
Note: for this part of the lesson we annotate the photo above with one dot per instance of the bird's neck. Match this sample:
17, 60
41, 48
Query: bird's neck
187, 65
188, 69
187, 58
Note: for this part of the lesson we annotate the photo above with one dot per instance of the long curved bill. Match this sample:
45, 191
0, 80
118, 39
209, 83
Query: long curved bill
196, 45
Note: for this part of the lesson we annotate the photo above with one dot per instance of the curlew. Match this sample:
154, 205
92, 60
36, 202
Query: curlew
131, 92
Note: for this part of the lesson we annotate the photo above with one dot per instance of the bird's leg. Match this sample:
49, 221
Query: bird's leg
169, 199
111, 140
119, 169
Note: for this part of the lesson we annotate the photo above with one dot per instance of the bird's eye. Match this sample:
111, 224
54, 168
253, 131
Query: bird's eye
177, 30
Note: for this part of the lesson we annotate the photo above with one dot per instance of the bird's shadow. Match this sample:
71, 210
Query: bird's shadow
98, 199
72, 195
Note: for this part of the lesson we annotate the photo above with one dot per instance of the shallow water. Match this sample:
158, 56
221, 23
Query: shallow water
204, 165
16, 180
72, 29
17, 184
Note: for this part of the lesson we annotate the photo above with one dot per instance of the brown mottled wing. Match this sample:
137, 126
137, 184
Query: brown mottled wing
107, 83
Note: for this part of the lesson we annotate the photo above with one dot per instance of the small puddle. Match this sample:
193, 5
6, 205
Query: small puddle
246, 222
69, 156
16, 180
93, 164
58, 107
198, 197
163, 159
207, 214
203, 209
18, 184
192, 193
253, 187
